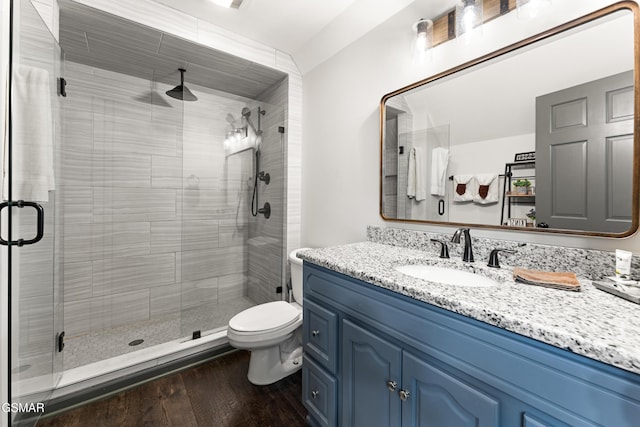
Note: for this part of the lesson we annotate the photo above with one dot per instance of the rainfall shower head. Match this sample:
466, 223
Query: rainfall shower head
181, 91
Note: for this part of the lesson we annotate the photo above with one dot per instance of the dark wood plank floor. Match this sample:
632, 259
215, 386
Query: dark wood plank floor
214, 394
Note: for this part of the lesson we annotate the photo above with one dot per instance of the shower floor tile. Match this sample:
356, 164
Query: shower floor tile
96, 346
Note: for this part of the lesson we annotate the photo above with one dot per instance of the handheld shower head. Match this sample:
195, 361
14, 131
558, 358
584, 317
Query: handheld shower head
246, 114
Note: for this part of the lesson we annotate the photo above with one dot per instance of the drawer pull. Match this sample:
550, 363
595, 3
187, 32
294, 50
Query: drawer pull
392, 385
315, 394
404, 394
315, 332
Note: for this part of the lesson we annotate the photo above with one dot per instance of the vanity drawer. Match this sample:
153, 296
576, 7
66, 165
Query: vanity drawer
319, 334
319, 394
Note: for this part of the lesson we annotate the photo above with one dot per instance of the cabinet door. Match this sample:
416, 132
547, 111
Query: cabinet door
319, 334
438, 399
319, 394
369, 363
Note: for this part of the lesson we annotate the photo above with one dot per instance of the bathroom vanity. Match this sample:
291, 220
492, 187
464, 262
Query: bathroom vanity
386, 349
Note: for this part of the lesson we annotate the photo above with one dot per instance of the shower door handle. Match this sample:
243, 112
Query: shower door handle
39, 220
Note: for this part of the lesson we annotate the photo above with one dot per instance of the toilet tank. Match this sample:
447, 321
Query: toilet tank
296, 275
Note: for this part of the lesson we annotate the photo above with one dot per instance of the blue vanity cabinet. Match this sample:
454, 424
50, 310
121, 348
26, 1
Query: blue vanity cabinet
386, 386
397, 361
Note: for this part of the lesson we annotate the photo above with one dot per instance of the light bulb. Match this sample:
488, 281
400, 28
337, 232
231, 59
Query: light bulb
423, 39
468, 18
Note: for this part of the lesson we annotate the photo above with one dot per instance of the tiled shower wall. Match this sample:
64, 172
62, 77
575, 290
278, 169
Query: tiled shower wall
156, 217
267, 257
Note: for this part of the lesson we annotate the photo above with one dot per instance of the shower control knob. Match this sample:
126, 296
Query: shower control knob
264, 177
315, 332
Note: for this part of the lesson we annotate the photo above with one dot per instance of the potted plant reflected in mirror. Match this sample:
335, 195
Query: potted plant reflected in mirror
531, 215
521, 186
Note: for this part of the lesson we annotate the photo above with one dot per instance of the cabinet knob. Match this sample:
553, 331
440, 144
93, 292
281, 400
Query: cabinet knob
404, 394
315, 332
392, 385
315, 394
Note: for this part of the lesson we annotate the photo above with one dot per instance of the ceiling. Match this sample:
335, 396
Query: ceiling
311, 31
105, 41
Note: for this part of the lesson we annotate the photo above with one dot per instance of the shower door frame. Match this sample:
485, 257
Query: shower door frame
41, 396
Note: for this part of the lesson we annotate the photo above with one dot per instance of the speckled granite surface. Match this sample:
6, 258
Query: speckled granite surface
591, 322
588, 263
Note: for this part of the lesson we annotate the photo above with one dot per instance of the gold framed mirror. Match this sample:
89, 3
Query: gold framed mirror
542, 135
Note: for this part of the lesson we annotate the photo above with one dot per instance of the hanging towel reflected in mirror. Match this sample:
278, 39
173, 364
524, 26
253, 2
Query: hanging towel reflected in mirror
417, 175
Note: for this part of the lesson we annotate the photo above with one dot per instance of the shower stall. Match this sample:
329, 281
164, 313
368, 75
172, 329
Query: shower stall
161, 219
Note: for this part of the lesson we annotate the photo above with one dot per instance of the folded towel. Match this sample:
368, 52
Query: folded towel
416, 185
463, 188
439, 163
487, 191
32, 137
557, 280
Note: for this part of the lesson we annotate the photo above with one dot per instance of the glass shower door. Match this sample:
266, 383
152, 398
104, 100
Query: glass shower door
31, 225
231, 259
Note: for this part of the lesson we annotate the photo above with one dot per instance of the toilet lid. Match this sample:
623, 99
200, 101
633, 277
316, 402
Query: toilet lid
263, 317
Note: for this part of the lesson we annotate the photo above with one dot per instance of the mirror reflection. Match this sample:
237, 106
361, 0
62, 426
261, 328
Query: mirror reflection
538, 138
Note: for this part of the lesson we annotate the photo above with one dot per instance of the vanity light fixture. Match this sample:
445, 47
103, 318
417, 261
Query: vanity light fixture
530, 9
234, 136
469, 19
422, 39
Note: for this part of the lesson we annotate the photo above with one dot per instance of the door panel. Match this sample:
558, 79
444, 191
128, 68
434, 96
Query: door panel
369, 363
569, 166
584, 150
439, 399
34, 269
619, 178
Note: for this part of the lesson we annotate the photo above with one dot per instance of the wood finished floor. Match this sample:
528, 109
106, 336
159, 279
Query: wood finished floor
214, 394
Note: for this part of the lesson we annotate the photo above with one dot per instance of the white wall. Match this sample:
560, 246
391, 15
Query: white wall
340, 158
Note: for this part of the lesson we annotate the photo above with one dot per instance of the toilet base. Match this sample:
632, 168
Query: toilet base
266, 366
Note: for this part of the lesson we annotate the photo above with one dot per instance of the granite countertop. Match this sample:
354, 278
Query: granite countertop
591, 322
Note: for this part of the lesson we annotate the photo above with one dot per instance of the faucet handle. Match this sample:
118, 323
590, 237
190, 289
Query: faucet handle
493, 257
444, 249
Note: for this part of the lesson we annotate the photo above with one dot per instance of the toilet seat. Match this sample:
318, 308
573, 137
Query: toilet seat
265, 318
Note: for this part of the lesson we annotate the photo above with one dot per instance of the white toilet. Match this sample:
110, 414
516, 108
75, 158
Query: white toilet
272, 332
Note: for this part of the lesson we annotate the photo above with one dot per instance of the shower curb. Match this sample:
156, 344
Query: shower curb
111, 387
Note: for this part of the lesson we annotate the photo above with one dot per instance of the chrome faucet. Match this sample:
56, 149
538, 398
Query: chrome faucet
467, 256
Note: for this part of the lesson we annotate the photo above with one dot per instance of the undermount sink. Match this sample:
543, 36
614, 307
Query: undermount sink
446, 276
